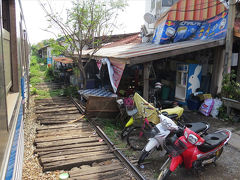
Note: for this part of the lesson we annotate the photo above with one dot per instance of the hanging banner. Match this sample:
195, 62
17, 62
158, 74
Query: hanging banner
214, 28
186, 30
115, 71
99, 64
177, 31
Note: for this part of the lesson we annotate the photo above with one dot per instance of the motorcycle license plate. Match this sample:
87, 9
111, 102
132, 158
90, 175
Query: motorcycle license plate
208, 161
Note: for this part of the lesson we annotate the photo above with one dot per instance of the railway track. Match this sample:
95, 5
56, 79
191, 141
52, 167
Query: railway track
67, 141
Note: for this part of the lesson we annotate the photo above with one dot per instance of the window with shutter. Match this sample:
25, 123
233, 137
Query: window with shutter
7, 60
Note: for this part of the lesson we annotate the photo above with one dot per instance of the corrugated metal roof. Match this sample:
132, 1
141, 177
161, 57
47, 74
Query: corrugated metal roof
145, 52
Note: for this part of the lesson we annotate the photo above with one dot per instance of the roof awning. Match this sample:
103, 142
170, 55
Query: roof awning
146, 52
64, 60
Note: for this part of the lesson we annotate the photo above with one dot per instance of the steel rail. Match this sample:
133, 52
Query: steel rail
116, 151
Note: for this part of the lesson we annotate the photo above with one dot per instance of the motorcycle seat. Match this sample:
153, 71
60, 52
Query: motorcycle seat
172, 116
212, 141
167, 104
196, 127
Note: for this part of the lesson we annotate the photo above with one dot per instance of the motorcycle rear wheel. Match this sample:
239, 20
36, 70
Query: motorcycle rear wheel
165, 171
137, 139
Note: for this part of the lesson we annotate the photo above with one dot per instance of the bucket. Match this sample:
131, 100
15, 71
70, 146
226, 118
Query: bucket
165, 92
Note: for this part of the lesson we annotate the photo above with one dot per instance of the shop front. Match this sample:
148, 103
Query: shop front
158, 72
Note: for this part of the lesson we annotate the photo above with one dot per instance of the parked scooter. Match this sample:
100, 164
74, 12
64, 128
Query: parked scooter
174, 113
162, 130
193, 151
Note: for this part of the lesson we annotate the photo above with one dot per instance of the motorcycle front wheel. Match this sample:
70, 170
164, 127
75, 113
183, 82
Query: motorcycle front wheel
165, 171
125, 132
144, 154
137, 139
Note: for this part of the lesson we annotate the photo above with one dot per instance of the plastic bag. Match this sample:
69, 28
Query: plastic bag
217, 104
206, 107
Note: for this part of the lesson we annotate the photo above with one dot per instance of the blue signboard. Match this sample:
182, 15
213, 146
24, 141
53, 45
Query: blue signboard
177, 31
49, 61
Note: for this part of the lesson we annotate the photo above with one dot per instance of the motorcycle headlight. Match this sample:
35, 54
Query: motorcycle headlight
185, 134
192, 139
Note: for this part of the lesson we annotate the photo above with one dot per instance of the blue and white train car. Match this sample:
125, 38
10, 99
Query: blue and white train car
14, 63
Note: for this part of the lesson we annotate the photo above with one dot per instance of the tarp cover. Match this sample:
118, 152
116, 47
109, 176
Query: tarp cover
115, 70
97, 92
176, 31
151, 111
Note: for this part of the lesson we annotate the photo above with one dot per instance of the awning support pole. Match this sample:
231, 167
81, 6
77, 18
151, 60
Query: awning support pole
238, 70
146, 73
217, 74
229, 38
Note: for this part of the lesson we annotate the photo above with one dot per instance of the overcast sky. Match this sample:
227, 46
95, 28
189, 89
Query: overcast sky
131, 19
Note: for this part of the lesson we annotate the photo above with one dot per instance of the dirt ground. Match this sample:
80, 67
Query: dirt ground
228, 165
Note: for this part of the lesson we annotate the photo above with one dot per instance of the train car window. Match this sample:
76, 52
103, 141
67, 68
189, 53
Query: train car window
6, 15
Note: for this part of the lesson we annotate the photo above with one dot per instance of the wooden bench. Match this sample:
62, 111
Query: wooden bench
230, 103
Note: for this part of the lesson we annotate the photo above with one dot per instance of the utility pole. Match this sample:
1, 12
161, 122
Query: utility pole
229, 38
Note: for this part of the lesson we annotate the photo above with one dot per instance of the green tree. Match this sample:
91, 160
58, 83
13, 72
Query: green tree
86, 26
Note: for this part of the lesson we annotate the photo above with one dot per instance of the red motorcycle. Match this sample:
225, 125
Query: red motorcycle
193, 151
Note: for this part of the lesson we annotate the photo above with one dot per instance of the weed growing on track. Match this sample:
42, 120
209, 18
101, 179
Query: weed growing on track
36, 72
113, 130
44, 94
40, 73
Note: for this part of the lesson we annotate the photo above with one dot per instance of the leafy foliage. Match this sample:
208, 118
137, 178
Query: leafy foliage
222, 113
34, 91
70, 91
35, 71
230, 88
49, 74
